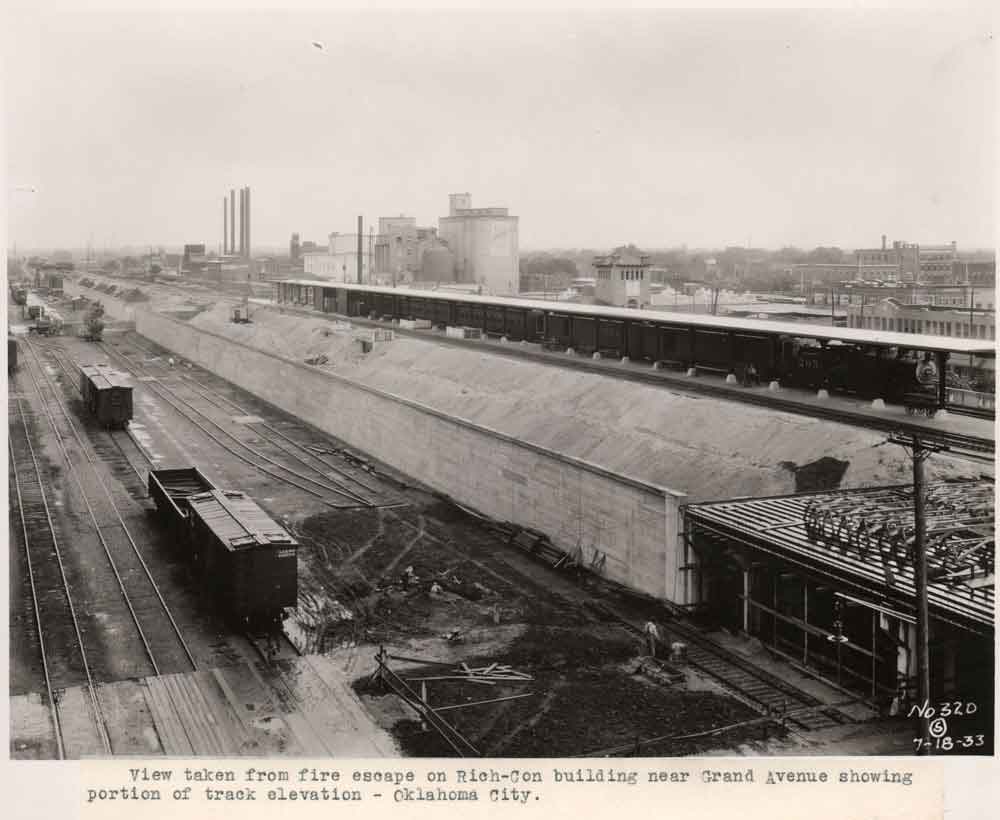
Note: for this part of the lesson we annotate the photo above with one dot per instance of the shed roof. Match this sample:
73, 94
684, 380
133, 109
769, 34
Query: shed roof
865, 537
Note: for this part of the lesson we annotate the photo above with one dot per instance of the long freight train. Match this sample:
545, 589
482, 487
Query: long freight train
245, 561
869, 364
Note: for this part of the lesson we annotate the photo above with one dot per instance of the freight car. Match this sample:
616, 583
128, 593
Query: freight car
864, 363
246, 561
11, 354
107, 394
170, 490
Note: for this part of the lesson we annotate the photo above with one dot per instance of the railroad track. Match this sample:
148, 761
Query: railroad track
163, 644
764, 692
284, 445
276, 469
297, 450
111, 446
60, 642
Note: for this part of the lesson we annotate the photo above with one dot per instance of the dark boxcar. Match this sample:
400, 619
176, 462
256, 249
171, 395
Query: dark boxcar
11, 354
611, 337
107, 394
170, 490
247, 561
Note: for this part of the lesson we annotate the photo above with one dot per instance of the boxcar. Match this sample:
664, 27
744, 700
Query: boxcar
107, 394
171, 490
246, 560
11, 354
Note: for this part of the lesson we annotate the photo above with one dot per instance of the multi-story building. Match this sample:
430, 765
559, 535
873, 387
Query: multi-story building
896, 316
906, 262
396, 249
339, 262
622, 279
485, 244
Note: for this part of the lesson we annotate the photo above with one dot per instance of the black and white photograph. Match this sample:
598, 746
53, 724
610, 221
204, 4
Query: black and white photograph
482, 384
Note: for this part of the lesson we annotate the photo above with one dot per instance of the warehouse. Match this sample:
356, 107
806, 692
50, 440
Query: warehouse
826, 581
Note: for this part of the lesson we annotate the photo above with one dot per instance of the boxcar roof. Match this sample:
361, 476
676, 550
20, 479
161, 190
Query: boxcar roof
798, 329
104, 377
236, 520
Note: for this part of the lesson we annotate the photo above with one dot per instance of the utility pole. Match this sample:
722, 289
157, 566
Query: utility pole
361, 239
919, 451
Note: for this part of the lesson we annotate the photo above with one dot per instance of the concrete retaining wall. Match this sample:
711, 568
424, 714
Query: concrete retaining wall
625, 528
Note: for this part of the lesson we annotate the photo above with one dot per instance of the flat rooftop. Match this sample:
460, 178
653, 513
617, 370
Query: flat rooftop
864, 537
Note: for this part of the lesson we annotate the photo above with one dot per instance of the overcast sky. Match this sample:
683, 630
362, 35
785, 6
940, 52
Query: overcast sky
658, 128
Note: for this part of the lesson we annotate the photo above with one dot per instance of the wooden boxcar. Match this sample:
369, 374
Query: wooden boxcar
170, 490
107, 394
246, 560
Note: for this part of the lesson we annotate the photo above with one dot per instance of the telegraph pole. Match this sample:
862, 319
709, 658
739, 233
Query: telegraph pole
919, 451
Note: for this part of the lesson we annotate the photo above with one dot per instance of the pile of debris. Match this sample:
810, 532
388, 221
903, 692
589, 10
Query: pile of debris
535, 543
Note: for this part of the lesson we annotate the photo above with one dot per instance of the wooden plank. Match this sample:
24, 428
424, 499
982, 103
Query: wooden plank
254, 705
80, 731
168, 725
236, 738
129, 721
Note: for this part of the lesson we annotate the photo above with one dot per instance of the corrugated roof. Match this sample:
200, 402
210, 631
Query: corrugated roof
797, 329
236, 520
862, 537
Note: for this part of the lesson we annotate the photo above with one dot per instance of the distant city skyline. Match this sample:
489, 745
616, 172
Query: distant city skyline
706, 129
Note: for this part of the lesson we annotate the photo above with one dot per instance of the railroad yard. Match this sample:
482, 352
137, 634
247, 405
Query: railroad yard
114, 648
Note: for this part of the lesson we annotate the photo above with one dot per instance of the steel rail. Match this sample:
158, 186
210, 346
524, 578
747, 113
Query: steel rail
743, 666
162, 390
51, 351
121, 522
283, 448
202, 386
56, 724
95, 706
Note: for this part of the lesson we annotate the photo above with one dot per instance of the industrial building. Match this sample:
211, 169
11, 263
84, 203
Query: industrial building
938, 320
906, 262
485, 244
341, 260
405, 252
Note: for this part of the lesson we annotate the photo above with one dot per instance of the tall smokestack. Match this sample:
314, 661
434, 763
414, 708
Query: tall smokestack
361, 235
246, 203
232, 220
225, 226
243, 216
883, 241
